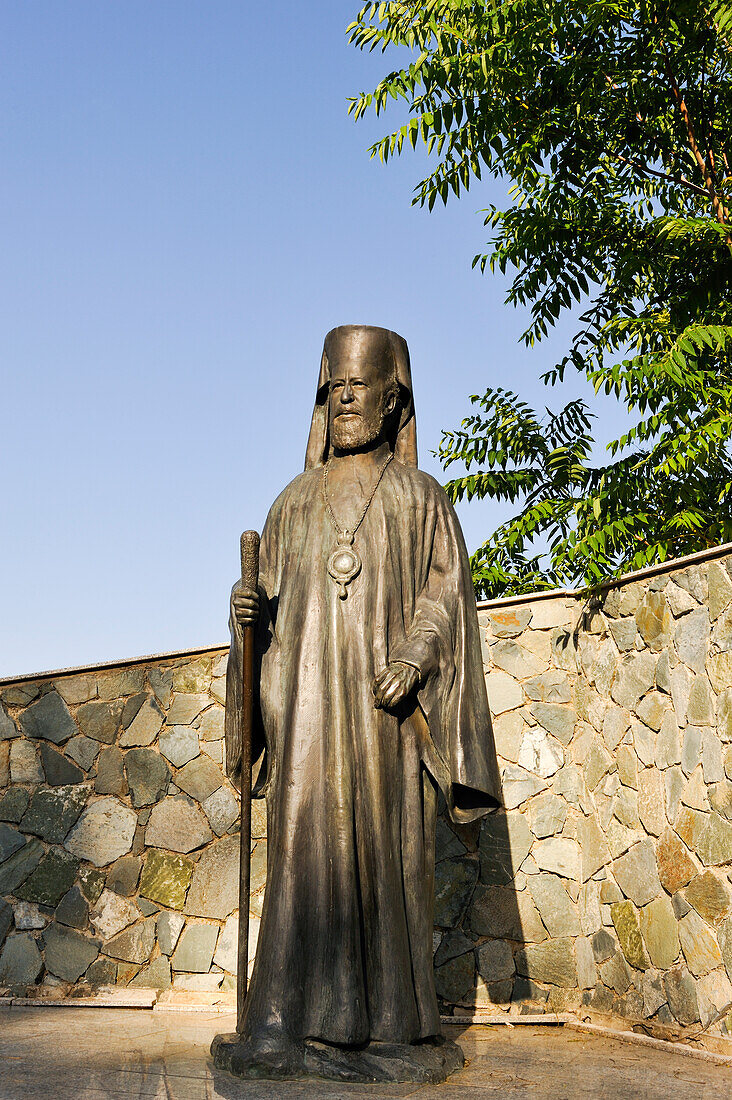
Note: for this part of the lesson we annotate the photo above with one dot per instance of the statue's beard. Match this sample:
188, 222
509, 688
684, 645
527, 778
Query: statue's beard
354, 431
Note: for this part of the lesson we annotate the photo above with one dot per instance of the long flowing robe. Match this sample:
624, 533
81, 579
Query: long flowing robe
345, 945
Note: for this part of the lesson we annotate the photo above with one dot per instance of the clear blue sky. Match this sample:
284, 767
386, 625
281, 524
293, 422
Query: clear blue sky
186, 210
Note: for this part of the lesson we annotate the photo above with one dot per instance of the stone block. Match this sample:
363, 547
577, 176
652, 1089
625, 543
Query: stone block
199, 778
169, 928
660, 934
114, 683
509, 622
559, 855
556, 909
540, 753
668, 742
193, 676
654, 621
616, 974
603, 946
103, 833
185, 708
724, 939
166, 877
719, 668
222, 810
176, 824
100, 721
711, 755
103, 972
505, 841
49, 718
10, 841
195, 948
557, 719
68, 953
692, 639
226, 952
519, 785
699, 945
145, 726
110, 777
198, 983
91, 883
211, 724
52, 812
720, 589
549, 613
58, 769
627, 764
636, 873
675, 866
624, 632
20, 961
73, 909
681, 995
179, 745
455, 881
4, 764
625, 921
25, 765
49, 881
586, 969
710, 897
616, 724
552, 962
724, 715
148, 776
6, 920
503, 693
83, 750
161, 681
715, 843
653, 708
679, 600
495, 961
19, 866
549, 687
123, 875
597, 764
681, 680
651, 807
155, 976
548, 814
503, 913
134, 944
593, 848
714, 993
8, 729
636, 675
77, 689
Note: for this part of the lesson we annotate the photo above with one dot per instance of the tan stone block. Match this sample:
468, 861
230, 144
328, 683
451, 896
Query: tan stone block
651, 808
699, 945
660, 934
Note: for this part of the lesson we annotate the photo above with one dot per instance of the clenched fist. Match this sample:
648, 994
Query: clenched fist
394, 684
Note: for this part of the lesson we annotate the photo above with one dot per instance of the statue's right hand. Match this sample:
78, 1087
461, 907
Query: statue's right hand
244, 605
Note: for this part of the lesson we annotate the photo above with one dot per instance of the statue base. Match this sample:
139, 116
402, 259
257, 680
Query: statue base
428, 1062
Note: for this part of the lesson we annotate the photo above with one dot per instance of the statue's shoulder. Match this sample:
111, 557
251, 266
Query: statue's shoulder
419, 482
301, 487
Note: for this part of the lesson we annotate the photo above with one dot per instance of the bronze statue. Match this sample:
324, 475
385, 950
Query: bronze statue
371, 698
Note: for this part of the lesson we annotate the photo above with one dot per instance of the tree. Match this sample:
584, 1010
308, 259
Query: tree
613, 119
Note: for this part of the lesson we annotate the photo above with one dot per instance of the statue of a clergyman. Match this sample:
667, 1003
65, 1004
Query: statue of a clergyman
371, 698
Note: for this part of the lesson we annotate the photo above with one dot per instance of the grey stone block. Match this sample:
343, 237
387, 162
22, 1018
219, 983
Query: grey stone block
135, 944
147, 774
53, 812
636, 873
214, 891
19, 866
124, 874
25, 764
199, 778
100, 720
169, 928
505, 842
194, 952
83, 750
10, 841
103, 833
6, 920
145, 726
111, 773
177, 825
179, 745
59, 771
68, 953
551, 962
20, 960
222, 810
49, 718
13, 804
73, 909
455, 881
50, 880
8, 728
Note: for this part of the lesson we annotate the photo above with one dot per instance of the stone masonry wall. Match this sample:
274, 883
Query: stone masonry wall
602, 886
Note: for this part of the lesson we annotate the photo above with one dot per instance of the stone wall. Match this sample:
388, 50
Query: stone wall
603, 886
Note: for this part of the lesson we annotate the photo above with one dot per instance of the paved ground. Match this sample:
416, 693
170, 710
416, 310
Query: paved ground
91, 1054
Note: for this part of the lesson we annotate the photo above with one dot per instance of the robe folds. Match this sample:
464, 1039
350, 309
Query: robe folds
345, 945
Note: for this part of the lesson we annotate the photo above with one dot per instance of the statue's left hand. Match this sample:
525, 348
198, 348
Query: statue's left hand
394, 684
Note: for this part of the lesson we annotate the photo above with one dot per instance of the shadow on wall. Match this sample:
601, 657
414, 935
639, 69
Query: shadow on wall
481, 925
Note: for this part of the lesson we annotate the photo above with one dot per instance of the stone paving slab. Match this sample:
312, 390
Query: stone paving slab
72, 1054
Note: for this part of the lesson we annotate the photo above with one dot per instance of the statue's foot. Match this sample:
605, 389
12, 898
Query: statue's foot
258, 1058
429, 1062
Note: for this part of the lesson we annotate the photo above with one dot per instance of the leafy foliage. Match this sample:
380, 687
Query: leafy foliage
613, 119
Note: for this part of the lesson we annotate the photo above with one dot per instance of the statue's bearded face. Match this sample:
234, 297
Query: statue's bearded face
362, 398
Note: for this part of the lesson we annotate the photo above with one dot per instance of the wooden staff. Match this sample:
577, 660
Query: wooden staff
249, 579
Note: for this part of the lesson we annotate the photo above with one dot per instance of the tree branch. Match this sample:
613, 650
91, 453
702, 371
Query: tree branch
681, 181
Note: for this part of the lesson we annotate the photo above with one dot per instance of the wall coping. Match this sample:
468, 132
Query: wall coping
483, 605
670, 566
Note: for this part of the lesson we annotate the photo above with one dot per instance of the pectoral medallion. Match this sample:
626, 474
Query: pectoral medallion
344, 563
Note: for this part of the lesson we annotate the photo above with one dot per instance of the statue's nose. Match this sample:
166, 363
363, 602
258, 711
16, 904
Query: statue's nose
346, 394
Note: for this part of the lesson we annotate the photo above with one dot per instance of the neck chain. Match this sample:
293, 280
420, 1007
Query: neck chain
344, 563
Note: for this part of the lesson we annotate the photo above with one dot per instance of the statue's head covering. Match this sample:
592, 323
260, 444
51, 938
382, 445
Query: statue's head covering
383, 346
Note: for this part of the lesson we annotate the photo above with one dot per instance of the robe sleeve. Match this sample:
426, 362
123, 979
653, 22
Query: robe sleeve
443, 644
